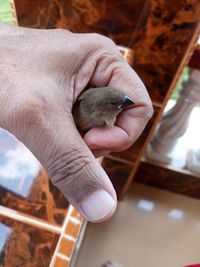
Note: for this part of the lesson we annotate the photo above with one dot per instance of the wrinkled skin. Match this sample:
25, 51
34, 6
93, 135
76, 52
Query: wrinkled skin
42, 72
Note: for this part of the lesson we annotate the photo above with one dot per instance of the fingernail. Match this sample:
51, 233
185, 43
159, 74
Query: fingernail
97, 205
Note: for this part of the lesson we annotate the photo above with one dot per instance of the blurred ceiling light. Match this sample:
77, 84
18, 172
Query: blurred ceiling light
176, 214
146, 205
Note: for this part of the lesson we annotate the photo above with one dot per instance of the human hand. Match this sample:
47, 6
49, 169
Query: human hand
42, 73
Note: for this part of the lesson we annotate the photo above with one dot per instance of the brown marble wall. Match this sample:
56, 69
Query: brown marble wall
24, 184
158, 31
116, 19
163, 43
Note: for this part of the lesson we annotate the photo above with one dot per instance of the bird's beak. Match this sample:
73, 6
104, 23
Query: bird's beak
127, 101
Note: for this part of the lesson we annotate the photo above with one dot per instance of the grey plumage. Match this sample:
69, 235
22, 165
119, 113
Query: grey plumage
99, 107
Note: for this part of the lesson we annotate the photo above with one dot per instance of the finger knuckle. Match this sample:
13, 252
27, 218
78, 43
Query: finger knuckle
108, 41
103, 42
30, 114
103, 39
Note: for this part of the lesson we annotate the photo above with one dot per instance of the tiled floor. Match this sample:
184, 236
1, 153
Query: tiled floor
151, 228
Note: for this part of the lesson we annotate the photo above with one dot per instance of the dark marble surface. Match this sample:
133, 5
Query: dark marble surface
118, 172
195, 59
115, 19
22, 245
158, 31
163, 43
168, 179
24, 185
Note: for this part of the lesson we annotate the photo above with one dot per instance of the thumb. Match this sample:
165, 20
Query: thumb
72, 167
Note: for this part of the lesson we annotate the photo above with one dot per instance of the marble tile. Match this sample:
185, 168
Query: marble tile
76, 215
66, 247
72, 229
24, 245
61, 262
151, 227
24, 184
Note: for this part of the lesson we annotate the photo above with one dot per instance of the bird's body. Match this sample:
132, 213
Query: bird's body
98, 107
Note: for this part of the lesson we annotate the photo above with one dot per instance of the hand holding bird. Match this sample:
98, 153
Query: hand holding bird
43, 73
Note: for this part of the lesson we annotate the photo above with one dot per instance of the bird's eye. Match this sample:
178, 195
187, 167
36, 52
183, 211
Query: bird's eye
112, 103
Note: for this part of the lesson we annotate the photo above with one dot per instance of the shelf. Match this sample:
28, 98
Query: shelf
172, 168
169, 178
120, 160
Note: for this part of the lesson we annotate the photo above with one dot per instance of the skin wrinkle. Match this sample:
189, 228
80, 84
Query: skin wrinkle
72, 172
105, 59
90, 66
79, 189
69, 150
105, 70
86, 70
63, 163
35, 124
72, 158
83, 75
76, 186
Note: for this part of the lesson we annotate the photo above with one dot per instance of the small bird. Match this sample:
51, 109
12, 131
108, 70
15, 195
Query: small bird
97, 107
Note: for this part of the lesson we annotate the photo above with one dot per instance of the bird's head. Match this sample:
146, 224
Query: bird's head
99, 107
107, 99
116, 100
